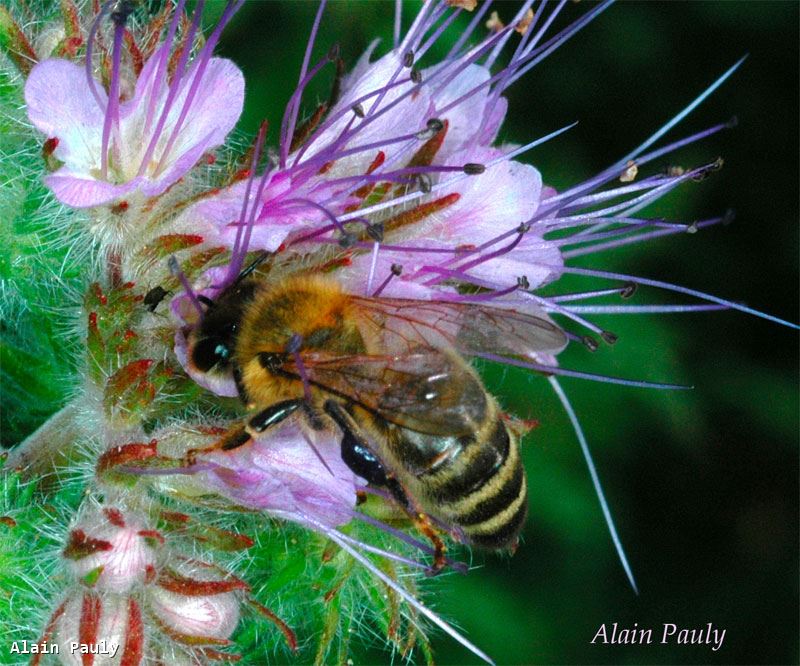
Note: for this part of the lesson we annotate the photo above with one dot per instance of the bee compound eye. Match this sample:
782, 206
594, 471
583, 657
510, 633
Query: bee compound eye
210, 352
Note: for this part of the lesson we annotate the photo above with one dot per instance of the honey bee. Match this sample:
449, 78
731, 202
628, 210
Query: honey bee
391, 375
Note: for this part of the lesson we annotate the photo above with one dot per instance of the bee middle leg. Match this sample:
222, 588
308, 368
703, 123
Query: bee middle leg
357, 455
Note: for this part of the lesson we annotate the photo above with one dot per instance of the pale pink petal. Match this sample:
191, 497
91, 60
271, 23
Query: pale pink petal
125, 565
281, 473
464, 119
80, 190
212, 616
214, 111
60, 105
504, 196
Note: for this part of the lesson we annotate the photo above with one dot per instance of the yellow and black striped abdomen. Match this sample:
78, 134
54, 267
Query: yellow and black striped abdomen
473, 482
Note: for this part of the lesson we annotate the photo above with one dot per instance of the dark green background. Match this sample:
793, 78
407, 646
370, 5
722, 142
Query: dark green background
703, 484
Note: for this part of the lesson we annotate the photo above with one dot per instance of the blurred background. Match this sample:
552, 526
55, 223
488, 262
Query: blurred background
703, 484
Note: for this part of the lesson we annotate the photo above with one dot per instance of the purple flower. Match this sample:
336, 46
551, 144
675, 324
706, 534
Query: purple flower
148, 130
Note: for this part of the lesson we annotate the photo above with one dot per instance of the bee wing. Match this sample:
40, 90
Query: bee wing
470, 328
426, 390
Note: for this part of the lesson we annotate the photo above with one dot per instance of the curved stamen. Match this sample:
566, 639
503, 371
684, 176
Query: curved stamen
111, 120
200, 65
176, 271
174, 88
335, 536
90, 41
293, 108
644, 309
292, 117
677, 288
239, 250
576, 426
557, 370
160, 72
638, 238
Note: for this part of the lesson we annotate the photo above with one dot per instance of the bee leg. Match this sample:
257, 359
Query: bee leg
242, 434
423, 524
273, 415
358, 456
356, 453
232, 439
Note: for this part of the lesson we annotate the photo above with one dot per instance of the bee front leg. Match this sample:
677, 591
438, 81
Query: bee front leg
242, 434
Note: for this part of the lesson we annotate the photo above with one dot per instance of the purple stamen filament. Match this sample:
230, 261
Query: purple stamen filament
111, 120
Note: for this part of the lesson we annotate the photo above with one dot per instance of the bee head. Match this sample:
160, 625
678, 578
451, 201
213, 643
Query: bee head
215, 337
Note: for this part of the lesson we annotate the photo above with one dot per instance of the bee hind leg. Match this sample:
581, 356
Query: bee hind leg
358, 456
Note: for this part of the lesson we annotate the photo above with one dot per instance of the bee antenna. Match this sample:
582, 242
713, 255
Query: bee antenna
176, 271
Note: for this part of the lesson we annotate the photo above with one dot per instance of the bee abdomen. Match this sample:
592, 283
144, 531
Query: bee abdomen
492, 512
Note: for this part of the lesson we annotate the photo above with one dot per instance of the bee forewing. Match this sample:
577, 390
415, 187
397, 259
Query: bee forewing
470, 328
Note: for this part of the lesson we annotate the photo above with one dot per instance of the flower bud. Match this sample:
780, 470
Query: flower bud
113, 555
209, 616
105, 627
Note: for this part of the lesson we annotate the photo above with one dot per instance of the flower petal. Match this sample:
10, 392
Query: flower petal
60, 104
283, 474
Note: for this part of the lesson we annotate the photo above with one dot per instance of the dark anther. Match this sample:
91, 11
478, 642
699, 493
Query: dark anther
397, 269
173, 265
733, 122
416, 75
524, 228
121, 10
205, 300
375, 231
435, 125
473, 168
730, 216
702, 173
333, 53
408, 59
628, 290
590, 343
609, 337
522, 282
347, 240
359, 110
153, 297
691, 228
424, 182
